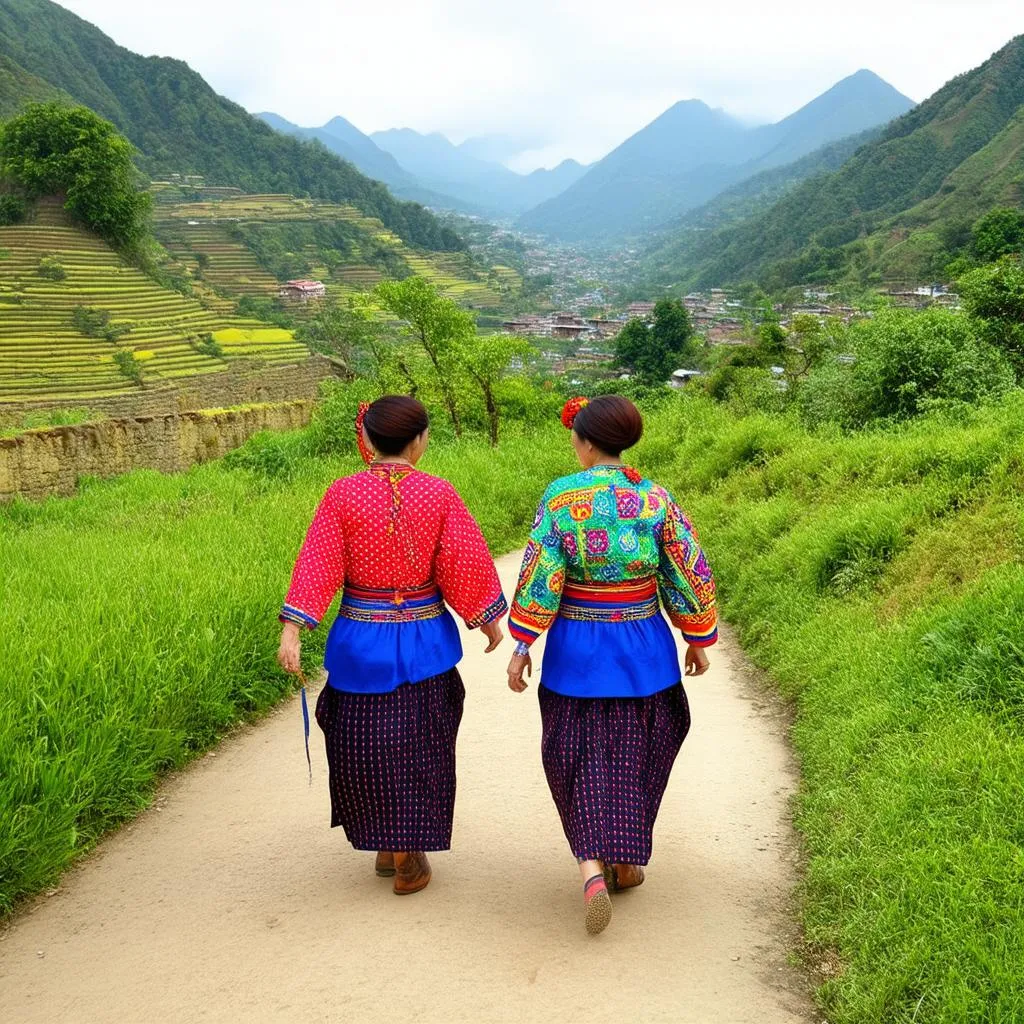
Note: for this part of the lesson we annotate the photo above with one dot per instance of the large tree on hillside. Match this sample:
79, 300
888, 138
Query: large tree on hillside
438, 325
999, 233
53, 149
993, 295
653, 349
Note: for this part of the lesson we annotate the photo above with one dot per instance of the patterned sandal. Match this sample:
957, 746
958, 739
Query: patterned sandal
598, 905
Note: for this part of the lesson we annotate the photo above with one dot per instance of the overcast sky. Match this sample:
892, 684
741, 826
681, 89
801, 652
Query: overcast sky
565, 77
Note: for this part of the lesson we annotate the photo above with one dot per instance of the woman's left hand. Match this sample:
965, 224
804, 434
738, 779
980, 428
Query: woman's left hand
696, 661
516, 667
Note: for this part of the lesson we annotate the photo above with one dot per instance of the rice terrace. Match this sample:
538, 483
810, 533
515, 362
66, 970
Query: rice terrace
624, 516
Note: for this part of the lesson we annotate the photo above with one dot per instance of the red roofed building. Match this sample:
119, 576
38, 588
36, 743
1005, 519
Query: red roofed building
303, 291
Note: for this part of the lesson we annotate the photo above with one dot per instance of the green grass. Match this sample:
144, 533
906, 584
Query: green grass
878, 576
143, 612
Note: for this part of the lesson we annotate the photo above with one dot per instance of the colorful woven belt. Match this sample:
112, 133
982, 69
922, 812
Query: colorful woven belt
610, 602
409, 604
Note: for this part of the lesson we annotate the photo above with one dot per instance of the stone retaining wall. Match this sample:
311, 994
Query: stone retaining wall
39, 463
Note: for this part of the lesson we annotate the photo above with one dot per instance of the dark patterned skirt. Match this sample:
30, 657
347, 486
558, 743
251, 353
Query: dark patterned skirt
607, 760
391, 758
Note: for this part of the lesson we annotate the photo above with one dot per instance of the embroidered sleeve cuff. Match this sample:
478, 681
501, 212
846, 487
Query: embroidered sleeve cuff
495, 610
699, 630
291, 614
522, 632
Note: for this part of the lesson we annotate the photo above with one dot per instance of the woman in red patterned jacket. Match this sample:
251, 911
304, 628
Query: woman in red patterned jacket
398, 544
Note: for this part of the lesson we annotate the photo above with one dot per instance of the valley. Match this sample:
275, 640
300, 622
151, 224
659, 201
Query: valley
817, 311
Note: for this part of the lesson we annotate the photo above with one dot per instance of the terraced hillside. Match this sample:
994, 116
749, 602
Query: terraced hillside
76, 322
244, 245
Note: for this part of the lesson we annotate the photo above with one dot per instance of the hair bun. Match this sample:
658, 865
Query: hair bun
572, 409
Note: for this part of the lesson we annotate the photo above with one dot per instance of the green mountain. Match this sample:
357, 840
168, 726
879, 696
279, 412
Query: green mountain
896, 206
180, 125
692, 153
679, 243
18, 87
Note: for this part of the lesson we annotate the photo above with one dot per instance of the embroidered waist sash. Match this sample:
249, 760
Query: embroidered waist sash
610, 602
409, 604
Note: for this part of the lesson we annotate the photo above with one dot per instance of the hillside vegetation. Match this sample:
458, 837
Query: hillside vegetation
69, 304
245, 245
18, 88
937, 166
180, 125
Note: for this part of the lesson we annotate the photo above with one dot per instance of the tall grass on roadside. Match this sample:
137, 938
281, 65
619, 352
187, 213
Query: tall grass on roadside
879, 577
139, 619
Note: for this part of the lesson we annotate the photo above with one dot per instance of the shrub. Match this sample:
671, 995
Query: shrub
129, 366
96, 323
52, 269
12, 209
208, 345
906, 363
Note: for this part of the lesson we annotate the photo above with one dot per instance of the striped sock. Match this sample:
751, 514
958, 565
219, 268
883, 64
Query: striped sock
592, 886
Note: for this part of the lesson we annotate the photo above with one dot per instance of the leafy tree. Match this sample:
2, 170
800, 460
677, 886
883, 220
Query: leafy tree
487, 359
438, 325
52, 149
999, 233
12, 209
994, 296
771, 348
652, 350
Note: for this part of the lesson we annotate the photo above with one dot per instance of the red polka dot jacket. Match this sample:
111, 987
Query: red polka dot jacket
394, 527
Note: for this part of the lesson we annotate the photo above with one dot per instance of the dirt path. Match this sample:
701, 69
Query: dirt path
231, 900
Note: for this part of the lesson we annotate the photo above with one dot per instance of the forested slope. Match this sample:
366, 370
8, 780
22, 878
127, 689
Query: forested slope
179, 123
819, 230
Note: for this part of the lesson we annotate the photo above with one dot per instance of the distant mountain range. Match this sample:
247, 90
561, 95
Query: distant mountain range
691, 153
178, 123
895, 208
430, 169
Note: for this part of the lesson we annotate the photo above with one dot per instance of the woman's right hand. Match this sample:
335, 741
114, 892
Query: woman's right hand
520, 663
290, 652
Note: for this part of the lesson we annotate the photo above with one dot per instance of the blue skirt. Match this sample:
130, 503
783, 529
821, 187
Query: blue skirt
378, 644
610, 659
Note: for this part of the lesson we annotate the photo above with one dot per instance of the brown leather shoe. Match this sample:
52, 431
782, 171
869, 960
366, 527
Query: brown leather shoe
624, 876
412, 873
385, 864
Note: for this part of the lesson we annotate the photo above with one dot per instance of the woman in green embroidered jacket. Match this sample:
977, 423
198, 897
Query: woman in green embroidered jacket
606, 544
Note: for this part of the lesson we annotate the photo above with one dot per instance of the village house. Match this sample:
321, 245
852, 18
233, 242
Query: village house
640, 310
303, 291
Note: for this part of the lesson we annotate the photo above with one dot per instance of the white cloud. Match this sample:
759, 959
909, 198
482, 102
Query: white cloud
583, 74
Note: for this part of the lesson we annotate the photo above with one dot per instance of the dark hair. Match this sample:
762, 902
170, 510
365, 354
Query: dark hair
610, 422
393, 421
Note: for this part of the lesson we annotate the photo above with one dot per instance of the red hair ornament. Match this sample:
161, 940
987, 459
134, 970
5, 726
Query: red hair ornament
572, 409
